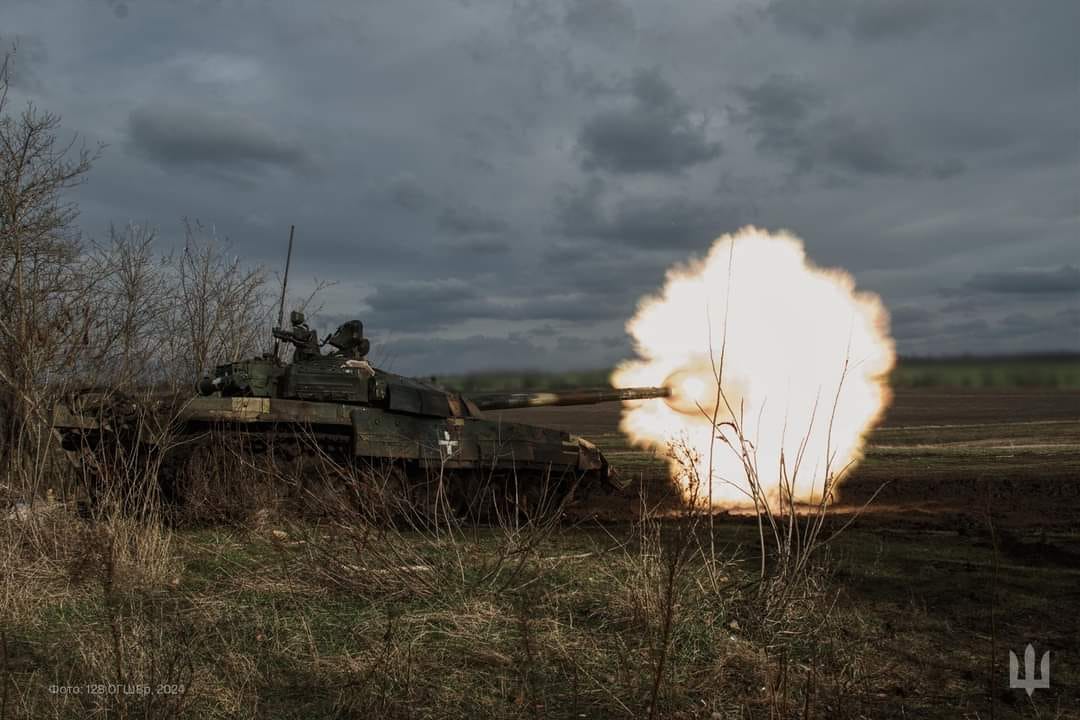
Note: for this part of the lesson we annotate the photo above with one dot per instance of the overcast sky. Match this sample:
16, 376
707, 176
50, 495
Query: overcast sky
494, 184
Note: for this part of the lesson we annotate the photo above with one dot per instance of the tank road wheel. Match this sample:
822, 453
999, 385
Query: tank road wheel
388, 492
475, 496
411, 494
204, 480
180, 476
431, 500
520, 496
467, 494
384, 492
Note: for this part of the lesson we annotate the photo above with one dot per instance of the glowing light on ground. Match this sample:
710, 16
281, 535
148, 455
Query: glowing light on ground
803, 358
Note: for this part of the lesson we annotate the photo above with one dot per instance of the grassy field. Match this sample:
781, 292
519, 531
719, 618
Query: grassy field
1060, 371
306, 621
631, 608
1032, 371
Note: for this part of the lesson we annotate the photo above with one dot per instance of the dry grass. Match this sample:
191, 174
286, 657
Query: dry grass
285, 594
292, 618
279, 593
347, 613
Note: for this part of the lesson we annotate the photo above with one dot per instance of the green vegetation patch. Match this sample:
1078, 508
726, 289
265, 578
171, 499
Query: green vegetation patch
1030, 371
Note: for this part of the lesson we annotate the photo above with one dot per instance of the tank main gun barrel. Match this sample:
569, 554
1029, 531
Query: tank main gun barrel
508, 401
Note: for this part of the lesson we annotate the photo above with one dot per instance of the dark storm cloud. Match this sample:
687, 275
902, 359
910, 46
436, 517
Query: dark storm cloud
853, 145
1065, 279
516, 350
119, 8
961, 328
486, 245
571, 344
25, 55
420, 306
470, 354
781, 113
469, 221
1052, 331
622, 281
865, 20
178, 137
459, 227
886, 19
424, 305
655, 133
568, 253
408, 295
507, 166
644, 221
983, 323
406, 192
908, 322
604, 21
667, 222
813, 18
580, 307
777, 105
1070, 319
1064, 323
775, 111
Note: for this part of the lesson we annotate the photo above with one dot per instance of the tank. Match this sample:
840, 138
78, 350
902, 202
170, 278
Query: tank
335, 406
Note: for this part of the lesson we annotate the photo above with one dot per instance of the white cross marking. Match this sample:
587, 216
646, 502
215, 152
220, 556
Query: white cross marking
448, 444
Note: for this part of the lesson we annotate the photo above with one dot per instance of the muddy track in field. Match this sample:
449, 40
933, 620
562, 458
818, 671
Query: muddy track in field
940, 458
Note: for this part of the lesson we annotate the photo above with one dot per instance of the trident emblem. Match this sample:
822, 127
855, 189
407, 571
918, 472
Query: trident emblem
447, 447
1029, 682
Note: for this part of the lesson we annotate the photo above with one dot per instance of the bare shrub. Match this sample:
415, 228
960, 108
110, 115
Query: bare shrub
41, 289
132, 303
220, 306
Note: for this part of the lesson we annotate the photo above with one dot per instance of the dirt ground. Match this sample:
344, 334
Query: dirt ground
940, 458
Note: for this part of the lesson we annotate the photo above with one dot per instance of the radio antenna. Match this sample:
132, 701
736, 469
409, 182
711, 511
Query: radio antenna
284, 285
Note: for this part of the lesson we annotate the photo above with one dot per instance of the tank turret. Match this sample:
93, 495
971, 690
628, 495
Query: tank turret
344, 376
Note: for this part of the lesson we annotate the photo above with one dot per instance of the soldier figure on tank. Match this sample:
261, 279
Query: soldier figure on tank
301, 336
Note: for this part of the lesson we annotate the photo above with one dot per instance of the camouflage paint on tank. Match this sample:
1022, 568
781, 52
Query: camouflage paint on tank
380, 415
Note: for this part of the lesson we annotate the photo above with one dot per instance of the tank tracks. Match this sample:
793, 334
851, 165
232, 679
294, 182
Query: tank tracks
216, 473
